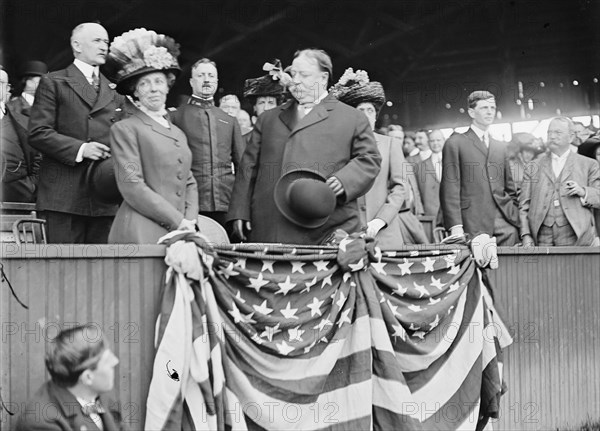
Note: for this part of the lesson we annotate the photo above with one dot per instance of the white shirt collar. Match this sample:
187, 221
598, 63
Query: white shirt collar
316, 102
86, 69
425, 154
562, 158
479, 132
28, 98
158, 116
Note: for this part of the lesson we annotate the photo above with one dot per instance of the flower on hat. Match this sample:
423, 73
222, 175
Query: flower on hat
140, 50
354, 88
277, 72
350, 77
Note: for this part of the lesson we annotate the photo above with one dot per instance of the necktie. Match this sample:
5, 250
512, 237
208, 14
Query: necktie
96, 81
93, 408
305, 109
485, 140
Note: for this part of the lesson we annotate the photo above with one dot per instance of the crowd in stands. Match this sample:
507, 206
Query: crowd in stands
105, 160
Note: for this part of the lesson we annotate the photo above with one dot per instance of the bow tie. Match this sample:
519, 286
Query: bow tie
93, 408
203, 103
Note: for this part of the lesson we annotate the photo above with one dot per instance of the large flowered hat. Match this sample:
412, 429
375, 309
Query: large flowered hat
138, 52
354, 88
272, 84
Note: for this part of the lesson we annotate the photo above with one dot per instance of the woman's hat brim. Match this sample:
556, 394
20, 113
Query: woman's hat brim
124, 84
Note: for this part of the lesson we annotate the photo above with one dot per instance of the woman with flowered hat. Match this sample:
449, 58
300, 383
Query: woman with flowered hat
151, 156
390, 193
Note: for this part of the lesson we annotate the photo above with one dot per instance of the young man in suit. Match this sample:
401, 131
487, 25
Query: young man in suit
313, 131
69, 124
477, 191
81, 368
215, 139
558, 193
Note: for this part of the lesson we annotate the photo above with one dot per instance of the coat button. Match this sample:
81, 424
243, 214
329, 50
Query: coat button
180, 160
89, 117
177, 144
178, 193
179, 176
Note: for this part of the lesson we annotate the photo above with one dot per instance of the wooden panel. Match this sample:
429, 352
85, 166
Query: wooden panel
550, 299
551, 302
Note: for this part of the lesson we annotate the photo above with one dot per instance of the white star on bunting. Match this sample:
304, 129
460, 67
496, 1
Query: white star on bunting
284, 348
341, 300
326, 281
415, 308
297, 267
235, 313
270, 331
241, 262
428, 264
345, 317
288, 312
346, 276
378, 266
286, 286
419, 334
436, 282
315, 307
238, 296
399, 332
405, 267
262, 308
322, 324
400, 290
267, 265
454, 270
309, 284
229, 271
357, 266
454, 287
321, 265
435, 322
420, 289
258, 282
433, 301
295, 334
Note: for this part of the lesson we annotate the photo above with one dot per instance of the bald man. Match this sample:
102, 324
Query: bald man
70, 121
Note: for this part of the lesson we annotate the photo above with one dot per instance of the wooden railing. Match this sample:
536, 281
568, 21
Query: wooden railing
550, 299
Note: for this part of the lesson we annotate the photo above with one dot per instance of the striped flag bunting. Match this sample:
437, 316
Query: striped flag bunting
274, 336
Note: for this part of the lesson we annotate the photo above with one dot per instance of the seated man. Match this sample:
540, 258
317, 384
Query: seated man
81, 367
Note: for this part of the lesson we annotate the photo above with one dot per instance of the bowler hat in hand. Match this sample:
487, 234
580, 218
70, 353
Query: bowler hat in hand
303, 197
101, 180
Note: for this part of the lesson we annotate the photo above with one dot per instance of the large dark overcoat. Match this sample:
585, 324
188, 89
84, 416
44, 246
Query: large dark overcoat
333, 139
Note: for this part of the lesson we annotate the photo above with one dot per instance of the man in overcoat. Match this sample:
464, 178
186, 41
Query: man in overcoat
314, 131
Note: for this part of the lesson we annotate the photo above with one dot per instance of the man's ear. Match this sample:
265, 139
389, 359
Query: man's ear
75, 46
471, 112
86, 377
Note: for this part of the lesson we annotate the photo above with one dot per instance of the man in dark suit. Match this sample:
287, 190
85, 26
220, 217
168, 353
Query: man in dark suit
558, 193
314, 131
70, 121
477, 192
21, 162
81, 367
429, 175
215, 139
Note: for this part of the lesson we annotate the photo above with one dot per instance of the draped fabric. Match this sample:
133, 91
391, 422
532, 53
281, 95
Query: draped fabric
271, 336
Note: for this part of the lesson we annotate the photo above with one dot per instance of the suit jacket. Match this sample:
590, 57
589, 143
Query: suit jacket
20, 163
54, 408
476, 182
333, 139
152, 167
66, 113
212, 166
388, 194
536, 195
410, 166
429, 187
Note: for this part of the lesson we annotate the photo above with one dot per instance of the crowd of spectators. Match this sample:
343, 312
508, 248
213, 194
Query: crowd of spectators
61, 127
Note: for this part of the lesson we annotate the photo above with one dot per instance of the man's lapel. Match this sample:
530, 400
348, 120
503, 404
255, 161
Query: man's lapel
317, 114
80, 85
476, 141
105, 95
568, 168
546, 167
289, 114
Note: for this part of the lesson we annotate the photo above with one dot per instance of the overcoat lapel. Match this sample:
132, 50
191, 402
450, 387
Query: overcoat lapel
477, 142
317, 114
289, 115
81, 86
